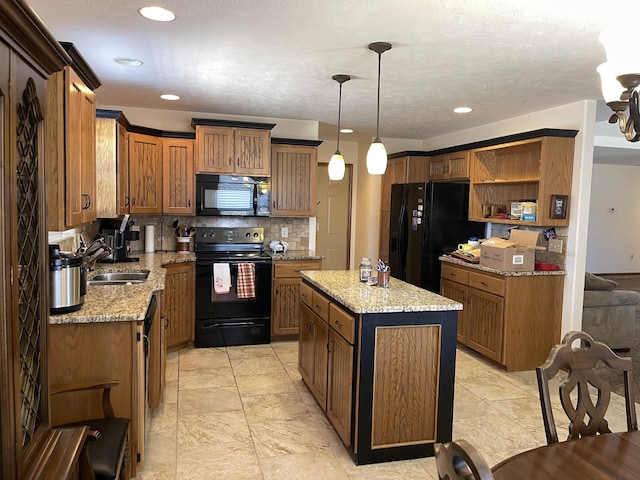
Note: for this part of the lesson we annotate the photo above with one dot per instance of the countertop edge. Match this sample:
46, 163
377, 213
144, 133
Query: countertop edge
476, 266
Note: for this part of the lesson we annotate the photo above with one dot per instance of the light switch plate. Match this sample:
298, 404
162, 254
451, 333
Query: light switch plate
555, 245
284, 232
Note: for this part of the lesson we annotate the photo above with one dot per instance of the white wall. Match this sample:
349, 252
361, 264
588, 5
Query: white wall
612, 241
576, 116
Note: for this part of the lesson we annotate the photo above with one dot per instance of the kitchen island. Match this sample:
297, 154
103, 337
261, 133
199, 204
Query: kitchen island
380, 362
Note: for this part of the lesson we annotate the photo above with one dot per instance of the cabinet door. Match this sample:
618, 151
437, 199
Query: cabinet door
80, 151
293, 181
155, 379
320, 361
145, 174
122, 162
285, 306
340, 385
252, 152
214, 146
179, 307
458, 165
485, 323
305, 344
438, 167
458, 292
178, 177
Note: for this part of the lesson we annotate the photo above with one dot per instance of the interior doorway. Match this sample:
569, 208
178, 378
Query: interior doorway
333, 218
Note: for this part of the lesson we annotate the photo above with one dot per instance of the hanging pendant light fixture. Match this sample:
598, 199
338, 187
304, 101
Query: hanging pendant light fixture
336, 164
377, 154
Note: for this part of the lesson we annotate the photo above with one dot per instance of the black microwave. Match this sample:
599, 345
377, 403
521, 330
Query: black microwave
233, 195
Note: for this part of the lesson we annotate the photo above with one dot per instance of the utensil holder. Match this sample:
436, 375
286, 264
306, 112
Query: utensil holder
383, 279
183, 244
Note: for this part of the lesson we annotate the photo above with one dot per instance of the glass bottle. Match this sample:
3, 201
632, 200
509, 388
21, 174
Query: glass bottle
365, 269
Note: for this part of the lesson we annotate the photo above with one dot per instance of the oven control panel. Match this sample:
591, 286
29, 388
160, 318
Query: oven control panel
221, 235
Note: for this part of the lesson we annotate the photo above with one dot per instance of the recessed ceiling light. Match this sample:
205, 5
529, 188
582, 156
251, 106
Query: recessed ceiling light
158, 14
129, 62
462, 110
169, 96
346, 130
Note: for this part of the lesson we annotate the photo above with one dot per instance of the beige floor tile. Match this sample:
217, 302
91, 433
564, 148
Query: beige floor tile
284, 406
265, 384
208, 400
277, 437
160, 457
195, 358
164, 418
257, 365
250, 351
303, 466
218, 462
223, 429
171, 391
206, 378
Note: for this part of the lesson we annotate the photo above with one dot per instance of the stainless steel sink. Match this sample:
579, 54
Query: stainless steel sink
119, 278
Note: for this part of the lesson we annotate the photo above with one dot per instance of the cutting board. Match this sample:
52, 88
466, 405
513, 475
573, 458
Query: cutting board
475, 259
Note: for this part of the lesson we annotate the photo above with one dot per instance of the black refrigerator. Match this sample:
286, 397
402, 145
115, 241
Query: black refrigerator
427, 220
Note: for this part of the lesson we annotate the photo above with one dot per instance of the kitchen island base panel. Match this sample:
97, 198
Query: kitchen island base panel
405, 385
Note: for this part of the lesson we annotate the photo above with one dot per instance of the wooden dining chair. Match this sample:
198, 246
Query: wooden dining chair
459, 460
586, 411
107, 449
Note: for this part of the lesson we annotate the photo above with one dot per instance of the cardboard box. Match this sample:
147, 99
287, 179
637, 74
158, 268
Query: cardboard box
513, 255
529, 207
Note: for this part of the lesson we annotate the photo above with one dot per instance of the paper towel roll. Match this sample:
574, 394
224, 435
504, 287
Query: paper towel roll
149, 239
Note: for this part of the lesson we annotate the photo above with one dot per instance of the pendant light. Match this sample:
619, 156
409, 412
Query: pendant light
377, 154
336, 164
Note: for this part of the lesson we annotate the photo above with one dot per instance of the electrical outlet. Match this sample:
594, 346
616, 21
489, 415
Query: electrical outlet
284, 232
612, 210
555, 245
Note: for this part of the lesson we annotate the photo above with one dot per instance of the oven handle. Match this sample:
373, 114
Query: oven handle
227, 324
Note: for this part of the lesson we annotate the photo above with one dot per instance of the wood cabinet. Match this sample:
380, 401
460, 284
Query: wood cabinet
340, 371
71, 171
313, 359
285, 299
402, 169
178, 177
513, 320
230, 148
157, 348
179, 307
112, 165
293, 180
145, 174
532, 169
449, 166
89, 352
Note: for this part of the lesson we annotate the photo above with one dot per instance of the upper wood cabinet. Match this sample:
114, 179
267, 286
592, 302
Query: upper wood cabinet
233, 147
449, 166
532, 169
112, 165
294, 170
145, 174
71, 170
178, 177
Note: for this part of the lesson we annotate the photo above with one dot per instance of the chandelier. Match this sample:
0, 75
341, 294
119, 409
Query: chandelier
620, 80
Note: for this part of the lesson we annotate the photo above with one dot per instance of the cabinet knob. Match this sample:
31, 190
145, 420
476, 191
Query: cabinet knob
126, 203
133, 200
238, 161
230, 160
338, 323
329, 345
87, 201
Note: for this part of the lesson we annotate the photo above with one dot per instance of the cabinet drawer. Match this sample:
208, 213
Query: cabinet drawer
487, 283
342, 322
455, 274
292, 269
320, 305
306, 294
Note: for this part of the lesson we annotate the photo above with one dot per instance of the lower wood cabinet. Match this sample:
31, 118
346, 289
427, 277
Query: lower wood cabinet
157, 354
179, 305
90, 352
285, 301
512, 319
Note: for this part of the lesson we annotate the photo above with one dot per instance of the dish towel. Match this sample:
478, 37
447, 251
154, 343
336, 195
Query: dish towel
221, 278
246, 280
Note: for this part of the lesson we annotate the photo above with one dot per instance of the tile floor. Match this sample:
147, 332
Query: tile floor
243, 413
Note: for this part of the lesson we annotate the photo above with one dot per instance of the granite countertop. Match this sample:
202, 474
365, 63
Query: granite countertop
295, 255
123, 303
345, 287
476, 266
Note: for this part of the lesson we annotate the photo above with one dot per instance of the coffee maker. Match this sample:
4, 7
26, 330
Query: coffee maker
117, 234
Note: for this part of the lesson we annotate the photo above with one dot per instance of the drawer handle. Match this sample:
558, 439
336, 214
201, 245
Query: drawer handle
484, 283
338, 323
297, 271
318, 307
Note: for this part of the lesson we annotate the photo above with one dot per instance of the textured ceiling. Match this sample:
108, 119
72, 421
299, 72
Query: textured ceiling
275, 58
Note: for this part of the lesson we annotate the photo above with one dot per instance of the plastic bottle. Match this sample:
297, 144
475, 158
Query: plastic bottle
365, 269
